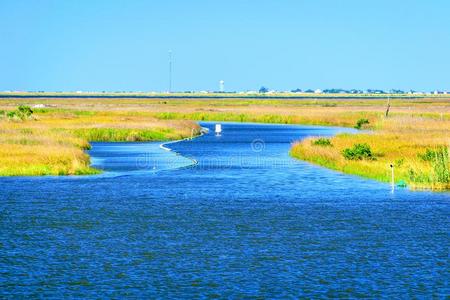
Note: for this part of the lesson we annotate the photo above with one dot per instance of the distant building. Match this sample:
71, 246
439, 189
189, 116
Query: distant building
221, 86
318, 91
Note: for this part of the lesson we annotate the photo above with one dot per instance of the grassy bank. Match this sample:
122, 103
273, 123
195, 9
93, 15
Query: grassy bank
31, 150
53, 142
416, 147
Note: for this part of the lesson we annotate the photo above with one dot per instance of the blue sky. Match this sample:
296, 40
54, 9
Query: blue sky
123, 45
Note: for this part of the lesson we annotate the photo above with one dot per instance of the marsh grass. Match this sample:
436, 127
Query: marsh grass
414, 125
403, 141
123, 134
313, 117
440, 165
41, 152
440, 172
361, 122
53, 143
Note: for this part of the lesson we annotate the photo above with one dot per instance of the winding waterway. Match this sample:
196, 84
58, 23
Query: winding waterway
230, 216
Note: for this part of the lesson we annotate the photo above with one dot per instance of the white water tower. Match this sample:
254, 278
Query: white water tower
221, 86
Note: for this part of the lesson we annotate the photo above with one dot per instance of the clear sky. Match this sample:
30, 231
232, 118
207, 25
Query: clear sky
123, 45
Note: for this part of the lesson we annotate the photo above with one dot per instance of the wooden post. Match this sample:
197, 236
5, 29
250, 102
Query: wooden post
388, 106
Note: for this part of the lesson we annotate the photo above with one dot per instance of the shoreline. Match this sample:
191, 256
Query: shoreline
203, 131
161, 146
412, 131
316, 160
392, 158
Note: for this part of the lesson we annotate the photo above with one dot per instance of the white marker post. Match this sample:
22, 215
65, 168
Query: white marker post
218, 129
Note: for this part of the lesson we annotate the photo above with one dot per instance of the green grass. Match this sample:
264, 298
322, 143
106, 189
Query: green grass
440, 171
123, 134
345, 119
45, 170
62, 110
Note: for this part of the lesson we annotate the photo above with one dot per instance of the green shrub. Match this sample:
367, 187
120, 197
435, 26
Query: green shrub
429, 155
358, 152
11, 114
322, 142
21, 113
25, 111
361, 122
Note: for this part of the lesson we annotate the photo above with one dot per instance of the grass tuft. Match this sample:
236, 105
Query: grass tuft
324, 142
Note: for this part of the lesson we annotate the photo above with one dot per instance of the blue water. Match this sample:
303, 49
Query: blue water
245, 221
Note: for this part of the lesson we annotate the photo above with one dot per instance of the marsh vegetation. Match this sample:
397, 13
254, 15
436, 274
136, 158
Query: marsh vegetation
416, 128
52, 142
417, 147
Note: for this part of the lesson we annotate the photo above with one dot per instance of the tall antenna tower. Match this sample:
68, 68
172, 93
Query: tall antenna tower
170, 71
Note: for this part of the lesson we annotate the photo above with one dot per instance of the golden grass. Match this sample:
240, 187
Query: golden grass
414, 125
40, 151
399, 140
53, 143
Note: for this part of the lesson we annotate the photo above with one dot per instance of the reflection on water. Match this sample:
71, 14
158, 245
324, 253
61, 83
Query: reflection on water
246, 221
